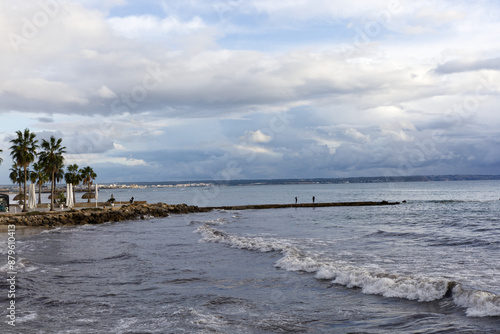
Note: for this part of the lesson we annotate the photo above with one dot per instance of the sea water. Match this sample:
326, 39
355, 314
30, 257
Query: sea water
429, 265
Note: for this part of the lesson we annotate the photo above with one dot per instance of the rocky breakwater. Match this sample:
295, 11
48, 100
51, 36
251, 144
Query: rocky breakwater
97, 215
300, 205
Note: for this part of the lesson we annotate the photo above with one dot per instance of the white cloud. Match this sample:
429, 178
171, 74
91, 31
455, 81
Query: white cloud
128, 161
106, 93
399, 130
256, 137
438, 16
148, 26
103, 4
119, 147
42, 90
256, 150
330, 143
93, 159
355, 134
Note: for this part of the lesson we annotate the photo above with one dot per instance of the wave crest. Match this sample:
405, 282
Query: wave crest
371, 281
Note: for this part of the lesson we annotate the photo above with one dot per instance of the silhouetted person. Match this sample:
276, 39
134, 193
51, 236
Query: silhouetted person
132, 200
313, 199
295, 200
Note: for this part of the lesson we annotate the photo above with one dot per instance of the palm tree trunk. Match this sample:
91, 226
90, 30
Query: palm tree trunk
25, 207
39, 193
74, 195
89, 194
52, 193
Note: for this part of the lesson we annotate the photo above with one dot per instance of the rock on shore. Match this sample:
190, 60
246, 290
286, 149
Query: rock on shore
97, 216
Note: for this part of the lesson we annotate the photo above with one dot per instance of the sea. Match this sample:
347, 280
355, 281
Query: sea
428, 265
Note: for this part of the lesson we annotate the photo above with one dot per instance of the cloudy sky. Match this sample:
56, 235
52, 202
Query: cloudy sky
232, 89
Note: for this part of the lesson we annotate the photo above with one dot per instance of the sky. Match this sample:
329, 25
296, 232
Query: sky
252, 89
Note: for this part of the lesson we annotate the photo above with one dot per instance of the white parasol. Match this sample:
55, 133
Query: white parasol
69, 195
32, 197
96, 194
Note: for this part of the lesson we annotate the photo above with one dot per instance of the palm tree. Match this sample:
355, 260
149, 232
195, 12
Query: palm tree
41, 178
53, 161
16, 176
31, 175
88, 175
23, 151
59, 174
73, 177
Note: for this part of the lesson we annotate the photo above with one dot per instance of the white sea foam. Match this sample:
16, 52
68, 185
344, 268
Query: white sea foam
206, 320
214, 222
124, 325
25, 264
28, 317
478, 303
202, 320
370, 280
257, 244
21, 264
387, 285
86, 321
57, 229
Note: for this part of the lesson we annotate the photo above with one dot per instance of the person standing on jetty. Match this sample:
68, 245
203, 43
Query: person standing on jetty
295, 199
313, 199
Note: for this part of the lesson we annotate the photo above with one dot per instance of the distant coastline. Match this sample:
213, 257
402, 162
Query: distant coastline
256, 182
369, 179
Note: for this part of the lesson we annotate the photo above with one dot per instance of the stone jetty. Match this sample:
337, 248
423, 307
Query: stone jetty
142, 211
96, 215
299, 205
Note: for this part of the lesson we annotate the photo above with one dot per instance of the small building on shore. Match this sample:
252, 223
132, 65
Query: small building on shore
4, 202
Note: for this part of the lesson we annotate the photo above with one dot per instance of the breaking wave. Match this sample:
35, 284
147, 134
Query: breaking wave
371, 281
218, 221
